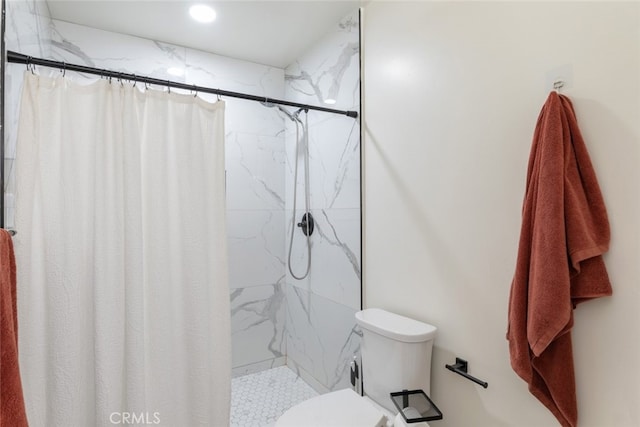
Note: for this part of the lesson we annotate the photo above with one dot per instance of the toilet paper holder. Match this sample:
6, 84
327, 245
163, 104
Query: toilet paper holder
415, 406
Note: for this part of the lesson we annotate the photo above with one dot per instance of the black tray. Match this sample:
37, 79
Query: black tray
423, 408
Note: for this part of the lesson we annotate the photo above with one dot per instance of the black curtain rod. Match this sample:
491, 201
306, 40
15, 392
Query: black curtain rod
20, 58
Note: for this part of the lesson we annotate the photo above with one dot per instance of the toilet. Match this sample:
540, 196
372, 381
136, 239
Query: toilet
396, 356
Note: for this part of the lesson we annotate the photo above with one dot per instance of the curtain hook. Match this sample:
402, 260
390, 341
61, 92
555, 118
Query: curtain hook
168, 86
64, 69
219, 97
135, 80
195, 91
29, 64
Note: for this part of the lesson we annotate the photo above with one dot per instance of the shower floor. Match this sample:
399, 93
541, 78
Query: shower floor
257, 400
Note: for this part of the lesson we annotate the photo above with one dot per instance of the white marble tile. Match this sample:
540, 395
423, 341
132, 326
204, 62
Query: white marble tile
329, 70
234, 75
334, 164
239, 76
256, 247
28, 28
320, 337
257, 324
118, 52
335, 256
33, 7
335, 145
307, 377
252, 368
251, 117
255, 171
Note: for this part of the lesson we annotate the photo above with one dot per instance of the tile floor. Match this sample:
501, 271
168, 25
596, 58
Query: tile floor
257, 400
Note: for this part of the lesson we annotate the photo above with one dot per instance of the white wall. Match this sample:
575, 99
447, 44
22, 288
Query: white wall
452, 93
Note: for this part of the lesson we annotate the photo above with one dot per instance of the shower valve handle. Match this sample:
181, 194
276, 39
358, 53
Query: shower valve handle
307, 224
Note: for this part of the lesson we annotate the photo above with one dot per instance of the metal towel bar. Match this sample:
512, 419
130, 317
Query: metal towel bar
461, 366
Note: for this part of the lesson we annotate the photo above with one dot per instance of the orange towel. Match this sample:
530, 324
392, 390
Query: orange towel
564, 233
12, 410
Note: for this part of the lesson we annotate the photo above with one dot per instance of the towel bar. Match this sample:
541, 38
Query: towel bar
461, 367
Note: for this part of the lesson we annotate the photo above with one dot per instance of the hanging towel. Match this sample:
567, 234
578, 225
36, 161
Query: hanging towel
564, 233
12, 410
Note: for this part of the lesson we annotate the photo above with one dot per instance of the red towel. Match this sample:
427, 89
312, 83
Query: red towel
564, 233
12, 410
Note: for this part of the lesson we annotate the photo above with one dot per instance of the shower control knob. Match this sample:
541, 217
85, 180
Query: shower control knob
307, 224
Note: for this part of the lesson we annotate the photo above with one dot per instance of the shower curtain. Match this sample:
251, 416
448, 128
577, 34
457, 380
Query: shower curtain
121, 254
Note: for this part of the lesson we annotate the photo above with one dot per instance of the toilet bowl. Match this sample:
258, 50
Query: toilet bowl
343, 408
396, 356
337, 409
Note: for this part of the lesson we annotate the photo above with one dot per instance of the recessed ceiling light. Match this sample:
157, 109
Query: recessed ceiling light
329, 101
202, 13
175, 71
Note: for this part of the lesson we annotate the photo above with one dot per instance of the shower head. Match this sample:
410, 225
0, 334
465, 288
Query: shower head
292, 116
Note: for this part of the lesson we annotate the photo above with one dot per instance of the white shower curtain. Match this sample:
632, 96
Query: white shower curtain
121, 254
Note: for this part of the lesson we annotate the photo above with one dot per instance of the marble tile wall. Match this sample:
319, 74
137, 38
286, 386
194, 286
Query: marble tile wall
320, 308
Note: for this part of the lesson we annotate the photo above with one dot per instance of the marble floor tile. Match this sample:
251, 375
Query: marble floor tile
258, 400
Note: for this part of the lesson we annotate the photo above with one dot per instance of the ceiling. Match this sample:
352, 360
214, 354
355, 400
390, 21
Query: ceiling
269, 32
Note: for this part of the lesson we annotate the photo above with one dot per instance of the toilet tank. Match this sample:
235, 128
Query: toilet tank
396, 354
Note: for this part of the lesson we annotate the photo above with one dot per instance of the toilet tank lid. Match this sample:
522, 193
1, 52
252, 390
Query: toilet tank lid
394, 326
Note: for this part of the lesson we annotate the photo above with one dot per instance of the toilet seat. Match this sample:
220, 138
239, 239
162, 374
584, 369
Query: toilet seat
343, 408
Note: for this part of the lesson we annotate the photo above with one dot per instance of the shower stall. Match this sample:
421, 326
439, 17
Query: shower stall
305, 322
293, 295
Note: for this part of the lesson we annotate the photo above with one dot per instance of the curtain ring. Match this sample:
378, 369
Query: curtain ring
64, 69
168, 86
29, 65
135, 80
195, 91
